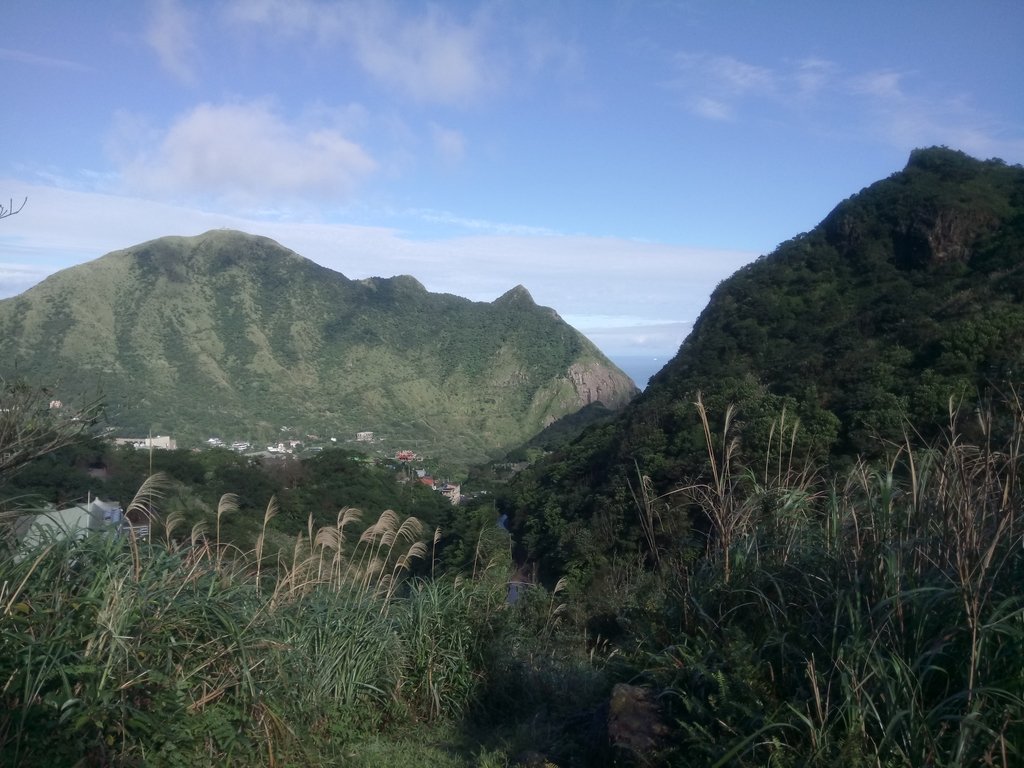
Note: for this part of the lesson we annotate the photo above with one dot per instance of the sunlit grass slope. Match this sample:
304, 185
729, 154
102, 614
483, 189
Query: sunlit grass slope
234, 335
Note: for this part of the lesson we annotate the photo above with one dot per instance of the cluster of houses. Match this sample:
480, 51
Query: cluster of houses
239, 446
451, 491
95, 515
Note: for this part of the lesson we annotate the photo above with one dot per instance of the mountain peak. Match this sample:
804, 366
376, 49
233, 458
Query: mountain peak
519, 295
187, 258
949, 164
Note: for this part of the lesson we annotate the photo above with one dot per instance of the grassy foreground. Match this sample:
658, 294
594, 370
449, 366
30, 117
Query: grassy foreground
874, 619
777, 616
169, 653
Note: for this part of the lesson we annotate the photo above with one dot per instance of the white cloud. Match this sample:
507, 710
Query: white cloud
898, 114
714, 84
476, 225
435, 53
738, 76
15, 278
718, 87
655, 339
812, 76
246, 152
433, 58
290, 16
715, 87
171, 34
712, 109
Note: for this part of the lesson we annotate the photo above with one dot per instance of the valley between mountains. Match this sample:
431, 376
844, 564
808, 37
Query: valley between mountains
801, 545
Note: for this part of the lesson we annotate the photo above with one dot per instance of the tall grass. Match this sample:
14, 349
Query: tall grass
183, 651
870, 619
877, 619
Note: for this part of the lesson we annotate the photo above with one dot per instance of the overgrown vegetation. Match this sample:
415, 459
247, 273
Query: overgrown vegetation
183, 651
780, 616
871, 619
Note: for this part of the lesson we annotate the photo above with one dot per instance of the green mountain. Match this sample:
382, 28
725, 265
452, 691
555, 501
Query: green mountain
231, 335
907, 294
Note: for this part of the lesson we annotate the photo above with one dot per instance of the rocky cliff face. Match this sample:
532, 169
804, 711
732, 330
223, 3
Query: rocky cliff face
918, 222
595, 382
940, 236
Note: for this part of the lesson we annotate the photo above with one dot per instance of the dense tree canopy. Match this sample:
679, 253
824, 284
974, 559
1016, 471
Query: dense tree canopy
908, 294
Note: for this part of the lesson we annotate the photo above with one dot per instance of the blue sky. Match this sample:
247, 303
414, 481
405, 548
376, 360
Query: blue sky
619, 159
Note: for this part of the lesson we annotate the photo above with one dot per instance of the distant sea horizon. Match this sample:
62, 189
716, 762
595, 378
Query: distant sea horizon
640, 368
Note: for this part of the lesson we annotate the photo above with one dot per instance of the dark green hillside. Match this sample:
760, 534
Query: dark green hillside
908, 293
233, 335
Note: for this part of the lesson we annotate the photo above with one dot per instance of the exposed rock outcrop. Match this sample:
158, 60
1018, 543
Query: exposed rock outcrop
597, 383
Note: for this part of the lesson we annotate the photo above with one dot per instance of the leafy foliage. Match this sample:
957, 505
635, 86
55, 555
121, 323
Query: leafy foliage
861, 622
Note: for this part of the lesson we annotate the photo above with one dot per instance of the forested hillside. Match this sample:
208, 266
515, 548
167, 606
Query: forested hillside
233, 335
909, 293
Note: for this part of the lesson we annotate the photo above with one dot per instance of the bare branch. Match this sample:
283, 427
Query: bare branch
10, 210
33, 424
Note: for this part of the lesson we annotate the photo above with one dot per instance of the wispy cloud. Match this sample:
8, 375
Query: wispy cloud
453, 54
171, 34
896, 112
721, 87
712, 109
476, 225
431, 57
877, 85
738, 76
624, 336
882, 104
15, 278
244, 152
284, 16
812, 76
715, 85
36, 60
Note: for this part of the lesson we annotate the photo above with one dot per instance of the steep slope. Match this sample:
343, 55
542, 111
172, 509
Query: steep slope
907, 294
231, 334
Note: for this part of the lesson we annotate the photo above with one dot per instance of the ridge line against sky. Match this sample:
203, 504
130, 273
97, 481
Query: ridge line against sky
617, 158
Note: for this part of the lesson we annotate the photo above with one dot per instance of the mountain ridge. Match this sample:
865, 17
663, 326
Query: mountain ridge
196, 334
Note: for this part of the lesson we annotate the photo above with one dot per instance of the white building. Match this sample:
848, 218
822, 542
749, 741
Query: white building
160, 442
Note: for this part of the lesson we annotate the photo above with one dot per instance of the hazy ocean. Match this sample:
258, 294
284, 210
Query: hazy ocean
640, 367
